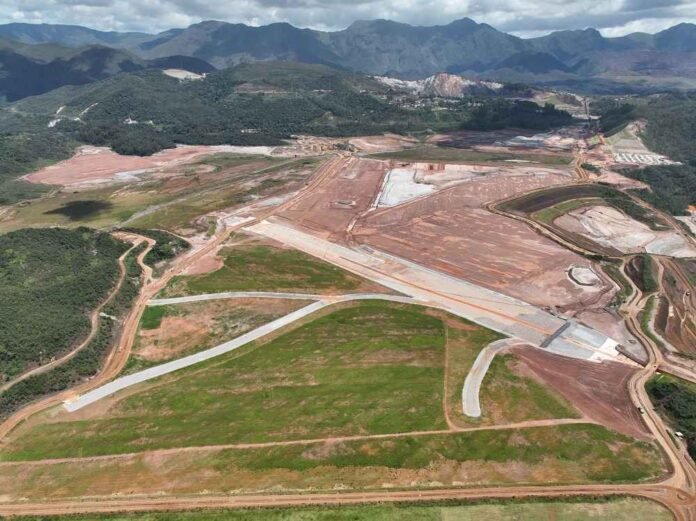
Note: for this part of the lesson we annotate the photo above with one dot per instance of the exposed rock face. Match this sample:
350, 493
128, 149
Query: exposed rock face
443, 85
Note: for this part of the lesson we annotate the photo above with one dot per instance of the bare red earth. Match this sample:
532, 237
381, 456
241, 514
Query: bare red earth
599, 391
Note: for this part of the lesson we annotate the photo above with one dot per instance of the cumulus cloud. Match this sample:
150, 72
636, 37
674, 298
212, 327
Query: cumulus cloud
522, 17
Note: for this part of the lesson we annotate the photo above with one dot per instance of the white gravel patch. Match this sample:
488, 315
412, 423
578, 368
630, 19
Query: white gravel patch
401, 186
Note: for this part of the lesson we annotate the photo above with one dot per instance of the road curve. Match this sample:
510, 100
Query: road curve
180, 363
94, 326
471, 404
118, 356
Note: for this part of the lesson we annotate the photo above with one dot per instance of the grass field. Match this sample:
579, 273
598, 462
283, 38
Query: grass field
455, 155
265, 268
506, 395
509, 397
373, 368
543, 455
109, 206
623, 509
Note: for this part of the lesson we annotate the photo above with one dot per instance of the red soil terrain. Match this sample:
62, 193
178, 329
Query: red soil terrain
449, 231
101, 165
598, 391
331, 208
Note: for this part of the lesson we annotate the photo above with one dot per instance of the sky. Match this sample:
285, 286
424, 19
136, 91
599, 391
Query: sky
524, 18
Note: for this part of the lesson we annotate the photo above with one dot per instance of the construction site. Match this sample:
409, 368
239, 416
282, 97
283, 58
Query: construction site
391, 305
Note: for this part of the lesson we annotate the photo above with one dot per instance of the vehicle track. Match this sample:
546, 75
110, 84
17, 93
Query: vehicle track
24, 414
529, 424
118, 356
675, 492
94, 325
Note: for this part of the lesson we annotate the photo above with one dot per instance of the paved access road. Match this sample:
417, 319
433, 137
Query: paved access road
232, 294
471, 391
507, 315
160, 370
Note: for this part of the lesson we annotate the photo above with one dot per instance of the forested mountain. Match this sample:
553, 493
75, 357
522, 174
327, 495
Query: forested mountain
28, 70
259, 103
384, 47
69, 35
250, 104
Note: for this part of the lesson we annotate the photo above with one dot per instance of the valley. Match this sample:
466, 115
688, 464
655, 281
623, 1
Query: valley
285, 290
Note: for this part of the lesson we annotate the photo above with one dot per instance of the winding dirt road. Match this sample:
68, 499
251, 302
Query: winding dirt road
94, 325
676, 492
118, 356
24, 414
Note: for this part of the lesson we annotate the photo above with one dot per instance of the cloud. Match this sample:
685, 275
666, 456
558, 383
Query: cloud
522, 17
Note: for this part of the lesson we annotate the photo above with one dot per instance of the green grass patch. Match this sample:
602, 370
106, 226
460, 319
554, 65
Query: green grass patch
645, 316
514, 398
152, 317
617, 275
605, 455
264, 268
373, 368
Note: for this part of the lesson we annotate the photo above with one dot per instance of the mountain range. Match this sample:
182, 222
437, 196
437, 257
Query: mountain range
45, 56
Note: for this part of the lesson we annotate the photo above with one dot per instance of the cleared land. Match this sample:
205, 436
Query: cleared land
168, 332
529, 267
627, 148
460, 155
338, 200
483, 306
611, 228
624, 509
99, 165
258, 266
406, 181
171, 197
599, 391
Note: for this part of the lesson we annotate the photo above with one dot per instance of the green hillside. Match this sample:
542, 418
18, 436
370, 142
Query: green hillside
50, 279
144, 112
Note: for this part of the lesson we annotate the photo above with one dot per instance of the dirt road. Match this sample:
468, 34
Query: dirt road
23, 414
683, 475
118, 357
667, 496
94, 325
676, 492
